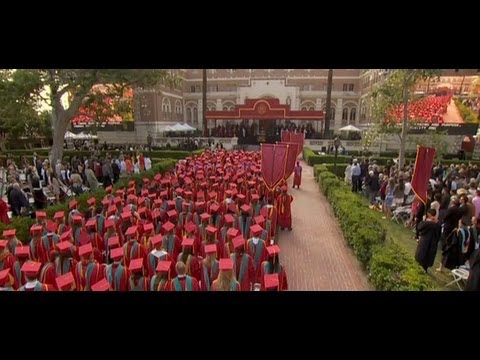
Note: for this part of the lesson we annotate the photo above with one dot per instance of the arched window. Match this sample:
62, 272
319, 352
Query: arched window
195, 115
166, 106
353, 114
178, 107
289, 101
345, 114
363, 113
332, 113
189, 115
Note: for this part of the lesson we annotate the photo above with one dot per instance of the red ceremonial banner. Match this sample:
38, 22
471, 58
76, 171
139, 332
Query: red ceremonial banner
299, 139
422, 171
291, 158
285, 136
274, 158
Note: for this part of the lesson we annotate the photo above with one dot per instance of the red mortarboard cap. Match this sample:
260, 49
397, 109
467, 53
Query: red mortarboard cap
142, 210
205, 216
144, 193
66, 235
113, 241
228, 192
155, 214
199, 204
40, 214
31, 267
210, 248
91, 201
238, 242
188, 193
146, 180
22, 251
136, 264
204, 184
132, 197
188, 242
85, 249
91, 223
284, 188
36, 229
164, 193
190, 227
241, 196
271, 281
51, 226
158, 202
168, 226
157, 177
131, 183
226, 264
211, 229
239, 181
117, 200
9, 232
200, 196
232, 232
156, 239
259, 219
234, 192
255, 197
163, 266
109, 189
229, 219
116, 253
77, 218
251, 183
102, 285
106, 202
64, 246
232, 185
131, 231
185, 204
273, 250
141, 200
179, 191
172, 213
126, 216
214, 208
165, 181
119, 192
147, 227
3, 244
232, 207
171, 204
4, 277
152, 197
109, 223
212, 194
59, 215
65, 280
73, 204
214, 185
256, 229
245, 208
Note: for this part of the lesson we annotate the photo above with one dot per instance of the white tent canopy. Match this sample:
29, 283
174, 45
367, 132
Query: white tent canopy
350, 128
70, 135
179, 128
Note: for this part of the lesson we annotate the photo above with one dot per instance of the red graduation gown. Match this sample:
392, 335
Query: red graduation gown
152, 262
141, 284
117, 275
87, 275
284, 206
282, 276
208, 275
133, 250
192, 265
48, 275
259, 254
244, 270
39, 287
235, 286
180, 284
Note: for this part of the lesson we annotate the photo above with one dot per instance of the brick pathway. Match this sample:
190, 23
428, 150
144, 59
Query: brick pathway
314, 253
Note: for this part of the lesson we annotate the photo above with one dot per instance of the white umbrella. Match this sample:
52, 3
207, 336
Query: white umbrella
350, 128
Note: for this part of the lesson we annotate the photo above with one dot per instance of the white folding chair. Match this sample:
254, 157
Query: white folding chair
460, 274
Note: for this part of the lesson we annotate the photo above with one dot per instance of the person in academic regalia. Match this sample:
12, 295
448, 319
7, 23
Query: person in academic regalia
59, 218
6, 281
102, 285
192, 263
132, 248
31, 269
183, 282
51, 238
171, 242
297, 175
273, 266
22, 254
73, 211
226, 279
110, 232
284, 207
429, 232
257, 249
243, 264
48, 274
210, 267
94, 235
7, 259
146, 238
77, 226
228, 247
269, 212
473, 281
41, 219
66, 282
38, 251
271, 282
256, 205
474, 239
454, 247
87, 271
65, 261
157, 254
245, 220
116, 273
137, 281
13, 242
161, 280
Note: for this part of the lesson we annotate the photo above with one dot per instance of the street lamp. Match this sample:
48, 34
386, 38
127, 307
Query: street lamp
336, 143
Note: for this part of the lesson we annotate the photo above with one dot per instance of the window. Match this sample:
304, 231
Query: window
350, 87
332, 113
189, 115
198, 88
178, 107
307, 87
195, 115
192, 88
212, 88
353, 114
345, 87
345, 114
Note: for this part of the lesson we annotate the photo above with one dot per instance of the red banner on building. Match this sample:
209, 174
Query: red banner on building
274, 159
285, 136
291, 158
422, 171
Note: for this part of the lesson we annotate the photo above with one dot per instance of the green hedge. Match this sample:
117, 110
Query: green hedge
467, 114
390, 268
23, 224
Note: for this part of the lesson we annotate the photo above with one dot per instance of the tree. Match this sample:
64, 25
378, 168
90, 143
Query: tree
396, 91
328, 110
204, 103
69, 89
435, 139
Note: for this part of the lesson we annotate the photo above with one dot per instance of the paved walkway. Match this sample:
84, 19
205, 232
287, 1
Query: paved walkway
314, 253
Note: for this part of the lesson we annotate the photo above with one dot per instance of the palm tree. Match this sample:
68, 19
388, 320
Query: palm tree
328, 109
204, 102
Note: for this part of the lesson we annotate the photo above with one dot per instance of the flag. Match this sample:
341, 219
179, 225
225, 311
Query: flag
285, 136
422, 172
274, 159
298, 138
291, 158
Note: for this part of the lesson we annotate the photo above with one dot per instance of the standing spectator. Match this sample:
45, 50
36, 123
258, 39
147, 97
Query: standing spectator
17, 200
92, 181
148, 163
115, 170
356, 172
429, 234
77, 182
107, 173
